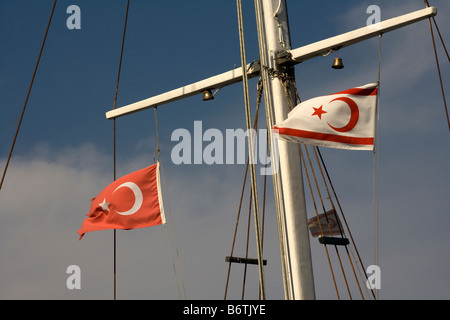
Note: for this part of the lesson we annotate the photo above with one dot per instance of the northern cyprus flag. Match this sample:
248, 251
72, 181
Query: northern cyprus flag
344, 120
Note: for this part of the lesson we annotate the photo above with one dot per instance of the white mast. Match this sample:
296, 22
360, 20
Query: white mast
274, 29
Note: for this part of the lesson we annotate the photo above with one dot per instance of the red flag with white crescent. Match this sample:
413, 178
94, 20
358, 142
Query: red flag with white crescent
344, 120
132, 201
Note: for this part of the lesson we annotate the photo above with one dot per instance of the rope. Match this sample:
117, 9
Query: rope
235, 229
158, 152
342, 213
28, 95
376, 166
173, 261
114, 138
440, 37
255, 125
247, 242
439, 72
320, 225
175, 241
242, 195
264, 199
251, 149
341, 232
328, 223
118, 79
439, 32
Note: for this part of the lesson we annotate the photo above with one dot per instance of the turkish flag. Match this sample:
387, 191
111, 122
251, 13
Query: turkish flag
344, 120
132, 201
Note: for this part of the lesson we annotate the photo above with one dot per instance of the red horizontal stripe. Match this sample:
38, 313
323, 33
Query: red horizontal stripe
360, 92
324, 136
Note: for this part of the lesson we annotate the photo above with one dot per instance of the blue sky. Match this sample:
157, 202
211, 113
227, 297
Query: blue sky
63, 156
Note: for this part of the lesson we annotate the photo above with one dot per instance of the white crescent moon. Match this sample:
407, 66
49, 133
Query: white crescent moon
137, 196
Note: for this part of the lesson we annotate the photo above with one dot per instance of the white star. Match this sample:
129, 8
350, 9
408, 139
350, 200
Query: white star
104, 205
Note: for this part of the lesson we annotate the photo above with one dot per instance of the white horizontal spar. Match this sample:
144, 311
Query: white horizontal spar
346, 39
295, 56
215, 82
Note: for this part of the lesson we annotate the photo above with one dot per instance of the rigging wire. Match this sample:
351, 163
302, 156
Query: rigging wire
250, 147
437, 61
247, 243
114, 139
320, 225
439, 32
255, 123
264, 200
158, 157
376, 166
28, 95
440, 76
341, 232
342, 213
235, 229
328, 223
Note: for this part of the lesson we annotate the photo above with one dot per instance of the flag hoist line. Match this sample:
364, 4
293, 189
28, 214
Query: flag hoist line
158, 158
376, 167
162, 172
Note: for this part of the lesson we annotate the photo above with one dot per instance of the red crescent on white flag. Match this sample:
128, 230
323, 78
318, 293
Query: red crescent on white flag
354, 117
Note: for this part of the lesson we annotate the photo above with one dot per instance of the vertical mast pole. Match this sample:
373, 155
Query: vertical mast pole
275, 27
